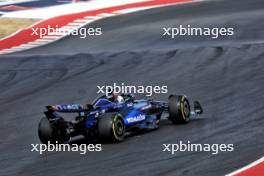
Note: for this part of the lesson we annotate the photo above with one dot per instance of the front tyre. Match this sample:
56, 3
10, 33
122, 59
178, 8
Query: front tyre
179, 109
111, 127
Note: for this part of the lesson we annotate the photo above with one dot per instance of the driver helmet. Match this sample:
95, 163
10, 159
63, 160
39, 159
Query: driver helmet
117, 97
120, 99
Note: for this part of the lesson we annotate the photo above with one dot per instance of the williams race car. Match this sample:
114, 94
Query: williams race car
106, 119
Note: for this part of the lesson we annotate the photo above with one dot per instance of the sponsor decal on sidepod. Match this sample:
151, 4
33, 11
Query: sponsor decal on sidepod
136, 118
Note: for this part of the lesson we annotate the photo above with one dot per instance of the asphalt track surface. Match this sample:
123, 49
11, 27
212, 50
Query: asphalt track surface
226, 75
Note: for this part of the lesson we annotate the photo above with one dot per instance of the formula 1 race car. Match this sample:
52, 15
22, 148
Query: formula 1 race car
108, 120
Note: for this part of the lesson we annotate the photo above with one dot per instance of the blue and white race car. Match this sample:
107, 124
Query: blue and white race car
108, 119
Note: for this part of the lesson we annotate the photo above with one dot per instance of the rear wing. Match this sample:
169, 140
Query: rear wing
69, 108
52, 110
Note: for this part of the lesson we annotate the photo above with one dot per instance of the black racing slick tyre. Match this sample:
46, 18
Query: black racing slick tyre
179, 109
111, 127
48, 133
45, 131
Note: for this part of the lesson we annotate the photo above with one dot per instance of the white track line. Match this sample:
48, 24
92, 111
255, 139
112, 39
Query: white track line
17, 48
24, 46
82, 20
68, 28
52, 37
93, 17
33, 43
43, 40
11, 50
28, 46
247, 167
136, 9
57, 33
76, 24
37, 43
103, 15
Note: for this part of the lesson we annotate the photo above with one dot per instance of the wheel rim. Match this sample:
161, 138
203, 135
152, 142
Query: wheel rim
186, 108
119, 127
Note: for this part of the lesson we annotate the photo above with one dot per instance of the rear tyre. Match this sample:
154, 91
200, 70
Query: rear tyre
179, 109
111, 127
47, 132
